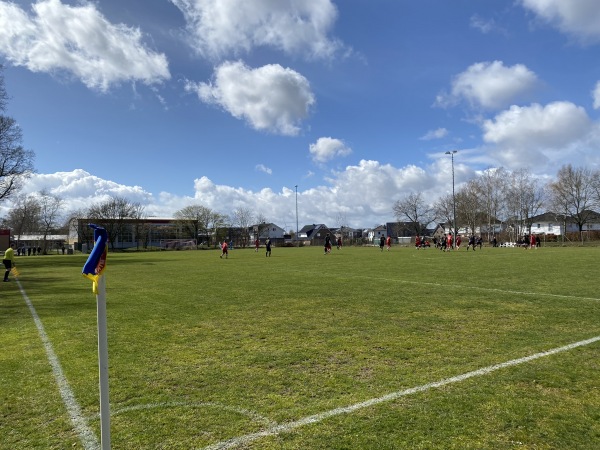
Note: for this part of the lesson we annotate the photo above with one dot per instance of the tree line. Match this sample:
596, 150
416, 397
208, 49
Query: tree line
510, 198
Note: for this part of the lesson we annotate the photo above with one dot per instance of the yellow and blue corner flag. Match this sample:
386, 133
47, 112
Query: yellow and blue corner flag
96, 262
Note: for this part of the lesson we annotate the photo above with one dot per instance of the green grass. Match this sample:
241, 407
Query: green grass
203, 350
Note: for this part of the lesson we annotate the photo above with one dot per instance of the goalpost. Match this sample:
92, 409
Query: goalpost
178, 244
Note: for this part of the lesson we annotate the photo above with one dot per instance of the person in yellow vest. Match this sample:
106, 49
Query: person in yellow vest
8, 260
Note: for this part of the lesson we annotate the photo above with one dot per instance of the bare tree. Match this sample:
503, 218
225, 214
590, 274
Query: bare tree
24, 217
491, 190
413, 208
3, 94
523, 198
242, 217
112, 215
16, 163
469, 206
72, 223
50, 211
218, 223
444, 210
194, 220
575, 192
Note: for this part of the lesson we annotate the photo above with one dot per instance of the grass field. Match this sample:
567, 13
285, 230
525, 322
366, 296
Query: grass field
306, 351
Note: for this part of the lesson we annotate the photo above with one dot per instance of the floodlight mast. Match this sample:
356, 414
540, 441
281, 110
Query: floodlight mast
451, 153
297, 214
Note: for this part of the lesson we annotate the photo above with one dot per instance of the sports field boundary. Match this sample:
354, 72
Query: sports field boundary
290, 426
86, 435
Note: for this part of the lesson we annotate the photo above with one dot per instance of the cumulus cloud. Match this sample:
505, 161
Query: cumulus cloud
263, 168
580, 19
80, 41
596, 96
296, 27
535, 135
327, 148
269, 98
365, 193
434, 134
80, 189
486, 26
490, 85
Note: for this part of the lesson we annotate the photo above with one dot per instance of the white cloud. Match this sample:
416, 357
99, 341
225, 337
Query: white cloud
486, 26
327, 148
365, 193
224, 28
435, 134
263, 168
80, 41
596, 96
270, 98
490, 85
579, 18
537, 135
79, 189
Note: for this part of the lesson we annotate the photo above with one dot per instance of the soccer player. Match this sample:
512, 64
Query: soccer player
449, 243
471, 243
224, 249
268, 245
327, 246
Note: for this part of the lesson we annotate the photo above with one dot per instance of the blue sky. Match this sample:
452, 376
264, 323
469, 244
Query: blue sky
233, 103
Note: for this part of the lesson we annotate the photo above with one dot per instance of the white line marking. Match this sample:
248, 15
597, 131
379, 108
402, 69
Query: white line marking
480, 288
86, 435
458, 286
286, 427
244, 412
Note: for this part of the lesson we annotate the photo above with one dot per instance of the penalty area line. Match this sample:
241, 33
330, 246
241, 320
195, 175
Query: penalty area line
289, 426
86, 435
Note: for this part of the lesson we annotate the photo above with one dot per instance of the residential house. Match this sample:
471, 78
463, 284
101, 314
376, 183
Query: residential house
557, 224
374, 234
404, 229
315, 234
262, 231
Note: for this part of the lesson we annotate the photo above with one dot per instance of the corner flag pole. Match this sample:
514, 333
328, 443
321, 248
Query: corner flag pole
93, 269
103, 364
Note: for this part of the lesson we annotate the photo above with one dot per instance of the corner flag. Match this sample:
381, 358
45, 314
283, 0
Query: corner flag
93, 269
96, 262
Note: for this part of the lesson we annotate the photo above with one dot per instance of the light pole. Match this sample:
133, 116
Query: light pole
451, 153
296, 213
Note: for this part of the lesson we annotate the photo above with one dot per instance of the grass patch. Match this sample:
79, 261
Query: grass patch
203, 350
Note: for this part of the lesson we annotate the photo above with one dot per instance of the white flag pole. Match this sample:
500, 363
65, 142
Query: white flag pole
103, 364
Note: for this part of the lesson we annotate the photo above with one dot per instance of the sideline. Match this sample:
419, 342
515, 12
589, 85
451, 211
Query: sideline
479, 288
86, 435
286, 427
